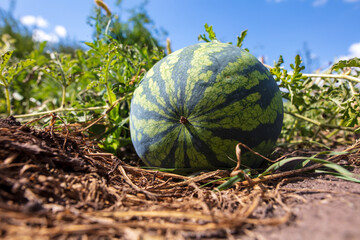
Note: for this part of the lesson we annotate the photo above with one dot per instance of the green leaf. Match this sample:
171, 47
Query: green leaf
241, 38
326, 163
42, 46
341, 176
321, 145
304, 163
354, 62
229, 183
357, 130
90, 44
92, 84
112, 130
209, 30
15, 69
4, 59
112, 95
203, 38
277, 165
233, 180
279, 62
353, 121
214, 181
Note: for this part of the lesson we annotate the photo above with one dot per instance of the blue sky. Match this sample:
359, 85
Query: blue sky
328, 28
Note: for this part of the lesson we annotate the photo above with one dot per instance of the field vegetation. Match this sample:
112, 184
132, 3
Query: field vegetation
60, 93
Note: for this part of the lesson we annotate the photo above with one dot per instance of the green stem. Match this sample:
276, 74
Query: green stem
335, 131
332, 133
63, 97
128, 96
353, 92
291, 134
319, 123
106, 79
60, 110
339, 76
63, 82
7, 96
311, 75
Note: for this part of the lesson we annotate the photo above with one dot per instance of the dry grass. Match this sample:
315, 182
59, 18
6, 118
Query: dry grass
53, 186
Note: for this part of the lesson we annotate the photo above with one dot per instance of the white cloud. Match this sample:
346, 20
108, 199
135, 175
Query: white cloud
318, 3
60, 31
354, 51
41, 22
40, 36
30, 20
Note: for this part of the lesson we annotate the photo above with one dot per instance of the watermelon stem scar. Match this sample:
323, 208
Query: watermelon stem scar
183, 120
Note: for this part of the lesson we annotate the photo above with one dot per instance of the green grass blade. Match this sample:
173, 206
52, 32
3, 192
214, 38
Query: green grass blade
230, 182
278, 164
214, 181
304, 163
339, 169
338, 175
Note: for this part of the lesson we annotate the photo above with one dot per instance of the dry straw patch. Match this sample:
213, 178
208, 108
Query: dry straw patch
59, 186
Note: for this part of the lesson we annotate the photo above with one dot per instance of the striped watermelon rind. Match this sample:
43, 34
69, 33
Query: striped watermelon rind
193, 107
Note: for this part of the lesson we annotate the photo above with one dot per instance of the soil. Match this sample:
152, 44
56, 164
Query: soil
327, 208
56, 185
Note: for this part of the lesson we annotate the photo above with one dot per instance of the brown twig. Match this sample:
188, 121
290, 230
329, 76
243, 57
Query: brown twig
34, 120
256, 153
150, 195
104, 115
67, 130
199, 178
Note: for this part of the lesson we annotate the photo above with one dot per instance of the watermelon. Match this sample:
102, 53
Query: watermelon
193, 107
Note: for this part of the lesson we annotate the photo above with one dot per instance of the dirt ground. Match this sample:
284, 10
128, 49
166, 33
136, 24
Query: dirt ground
327, 208
59, 186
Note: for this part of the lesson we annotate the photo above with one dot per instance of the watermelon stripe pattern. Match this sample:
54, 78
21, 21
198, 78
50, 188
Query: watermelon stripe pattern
196, 104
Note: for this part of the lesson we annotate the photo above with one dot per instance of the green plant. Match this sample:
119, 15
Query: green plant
20, 36
64, 70
7, 74
81, 84
318, 106
96, 85
117, 70
6, 43
138, 29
